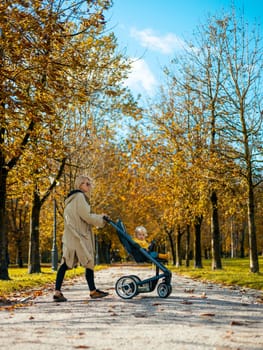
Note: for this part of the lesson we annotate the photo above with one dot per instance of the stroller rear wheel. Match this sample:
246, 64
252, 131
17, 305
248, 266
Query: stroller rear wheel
126, 287
164, 290
137, 279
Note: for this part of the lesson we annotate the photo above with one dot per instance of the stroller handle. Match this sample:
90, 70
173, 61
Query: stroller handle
107, 219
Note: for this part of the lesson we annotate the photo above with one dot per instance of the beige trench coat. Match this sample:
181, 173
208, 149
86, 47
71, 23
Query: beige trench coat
78, 239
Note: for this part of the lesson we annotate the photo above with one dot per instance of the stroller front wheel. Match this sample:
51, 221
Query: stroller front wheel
126, 287
164, 290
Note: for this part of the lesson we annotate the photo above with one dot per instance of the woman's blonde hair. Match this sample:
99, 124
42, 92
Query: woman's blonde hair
80, 180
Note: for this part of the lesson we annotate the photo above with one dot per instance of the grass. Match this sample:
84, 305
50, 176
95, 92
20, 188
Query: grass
234, 272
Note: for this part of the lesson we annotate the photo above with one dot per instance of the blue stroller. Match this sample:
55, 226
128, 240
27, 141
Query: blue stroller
127, 287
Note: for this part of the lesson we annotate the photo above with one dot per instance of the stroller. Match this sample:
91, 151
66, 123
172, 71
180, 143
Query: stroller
127, 287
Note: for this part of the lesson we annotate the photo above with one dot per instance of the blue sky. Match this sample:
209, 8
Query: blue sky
152, 31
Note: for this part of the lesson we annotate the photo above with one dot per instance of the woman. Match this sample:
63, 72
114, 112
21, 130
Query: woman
78, 239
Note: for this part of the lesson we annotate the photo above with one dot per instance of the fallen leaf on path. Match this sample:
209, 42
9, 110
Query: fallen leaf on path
237, 323
37, 293
139, 315
186, 302
208, 314
189, 290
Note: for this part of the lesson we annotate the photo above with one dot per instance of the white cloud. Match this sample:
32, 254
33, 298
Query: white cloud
166, 44
141, 79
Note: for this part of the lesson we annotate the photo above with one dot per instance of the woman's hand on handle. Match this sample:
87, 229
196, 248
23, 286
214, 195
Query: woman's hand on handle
106, 218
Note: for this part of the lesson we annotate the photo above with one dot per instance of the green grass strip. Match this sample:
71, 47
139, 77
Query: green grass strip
235, 272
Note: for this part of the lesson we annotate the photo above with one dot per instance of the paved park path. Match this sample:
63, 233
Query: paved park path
195, 316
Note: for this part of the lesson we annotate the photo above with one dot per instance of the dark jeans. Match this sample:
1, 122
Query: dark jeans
89, 275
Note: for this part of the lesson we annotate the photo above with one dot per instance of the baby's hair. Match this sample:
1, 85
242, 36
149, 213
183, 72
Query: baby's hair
141, 229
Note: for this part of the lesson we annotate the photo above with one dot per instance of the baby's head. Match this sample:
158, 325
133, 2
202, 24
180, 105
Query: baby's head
141, 232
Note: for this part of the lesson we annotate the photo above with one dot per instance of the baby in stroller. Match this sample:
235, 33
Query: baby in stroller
140, 238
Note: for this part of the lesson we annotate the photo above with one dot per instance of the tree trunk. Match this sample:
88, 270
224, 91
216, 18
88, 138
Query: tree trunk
253, 255
19, 258
215, 242
197, 242
242, 241
233, 236
170, 238
102, 251
178, 248
3, 233
34, 252
187, 246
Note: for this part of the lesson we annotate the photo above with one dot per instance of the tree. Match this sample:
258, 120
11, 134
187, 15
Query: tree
242, 58
220, 72
44, 68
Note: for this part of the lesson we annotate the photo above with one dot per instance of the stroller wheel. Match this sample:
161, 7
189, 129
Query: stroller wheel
126, 287
137, 279
164, 290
